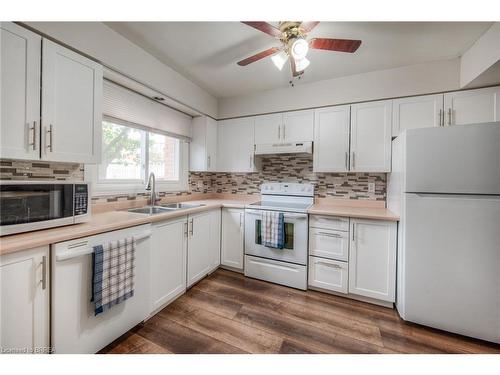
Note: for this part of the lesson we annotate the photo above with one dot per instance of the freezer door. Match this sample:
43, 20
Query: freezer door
452, 263
456, 159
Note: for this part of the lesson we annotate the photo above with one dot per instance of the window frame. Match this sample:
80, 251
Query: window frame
133, 186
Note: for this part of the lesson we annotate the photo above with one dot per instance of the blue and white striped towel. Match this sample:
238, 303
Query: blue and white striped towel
273, 229
113, 274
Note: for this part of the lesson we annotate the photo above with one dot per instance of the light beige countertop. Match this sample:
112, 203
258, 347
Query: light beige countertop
353, 208
114, 215
111, 220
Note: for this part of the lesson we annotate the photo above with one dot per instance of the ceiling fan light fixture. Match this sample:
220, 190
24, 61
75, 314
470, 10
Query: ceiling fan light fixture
280, 59
299, 49
301, 64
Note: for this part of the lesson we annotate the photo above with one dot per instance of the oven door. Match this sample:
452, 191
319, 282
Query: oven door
32, 206
295, 250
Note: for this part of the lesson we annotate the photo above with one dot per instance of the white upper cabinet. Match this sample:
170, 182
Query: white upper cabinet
203, 146
24, 303
472, 106
20, 92
236, 145
372, 259
268, 129
278, 128
298, 126
331, 139
232, 237
417, 112
71, 106
371, 128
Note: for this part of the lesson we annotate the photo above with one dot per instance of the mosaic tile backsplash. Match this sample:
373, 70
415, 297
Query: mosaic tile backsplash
291, 168
283, 168
39, 170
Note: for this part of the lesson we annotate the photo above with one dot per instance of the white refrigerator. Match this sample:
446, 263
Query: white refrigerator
445, 185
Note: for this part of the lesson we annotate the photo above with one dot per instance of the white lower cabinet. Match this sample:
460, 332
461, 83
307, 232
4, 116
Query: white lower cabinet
232, 240
372, 260
328, 274
168, 261
24, 302
203, 254
328, 243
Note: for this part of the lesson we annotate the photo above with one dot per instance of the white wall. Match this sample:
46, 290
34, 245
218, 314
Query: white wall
419, 79
104, 44
483, 55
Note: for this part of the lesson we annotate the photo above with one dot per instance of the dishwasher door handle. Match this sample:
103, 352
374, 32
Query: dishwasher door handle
70, 254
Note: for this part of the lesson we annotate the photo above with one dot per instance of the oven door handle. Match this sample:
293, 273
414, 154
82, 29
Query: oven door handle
295, 216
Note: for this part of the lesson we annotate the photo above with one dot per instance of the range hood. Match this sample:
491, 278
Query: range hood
284, 148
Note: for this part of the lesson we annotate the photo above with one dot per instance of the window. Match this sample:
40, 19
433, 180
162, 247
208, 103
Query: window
130, 154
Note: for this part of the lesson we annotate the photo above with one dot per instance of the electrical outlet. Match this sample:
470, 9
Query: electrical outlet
371, 187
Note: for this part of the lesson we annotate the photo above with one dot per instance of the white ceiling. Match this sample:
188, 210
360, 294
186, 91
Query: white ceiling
207, 52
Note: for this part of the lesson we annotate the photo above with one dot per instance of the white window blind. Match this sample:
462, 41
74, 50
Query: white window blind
123, 104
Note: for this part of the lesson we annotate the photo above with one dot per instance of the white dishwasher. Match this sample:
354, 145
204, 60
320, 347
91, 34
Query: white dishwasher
74, 328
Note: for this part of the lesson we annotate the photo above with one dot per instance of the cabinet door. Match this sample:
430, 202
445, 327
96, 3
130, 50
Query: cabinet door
372, 260
328, 274
331, 139
71, 106
417, 112
268, 129
472, 106
168, 261
298, 126
236, 145
199, 254
232, 238
20, 92
211, 142
24, 302
214, 241
371, 127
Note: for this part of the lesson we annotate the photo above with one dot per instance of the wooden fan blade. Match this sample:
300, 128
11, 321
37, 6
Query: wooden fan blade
308, 26
265, 28
258, 56
294, 68
340, 45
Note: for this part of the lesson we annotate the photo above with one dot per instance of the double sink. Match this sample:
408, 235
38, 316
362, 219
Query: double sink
169, 207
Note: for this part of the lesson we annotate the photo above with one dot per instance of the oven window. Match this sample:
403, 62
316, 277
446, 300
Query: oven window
288, 234
20, 204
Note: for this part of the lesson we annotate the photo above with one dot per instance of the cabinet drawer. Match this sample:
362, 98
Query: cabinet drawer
328, 274
329, 222
327, 243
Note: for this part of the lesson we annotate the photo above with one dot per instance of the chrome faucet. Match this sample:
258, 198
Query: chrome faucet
151, 186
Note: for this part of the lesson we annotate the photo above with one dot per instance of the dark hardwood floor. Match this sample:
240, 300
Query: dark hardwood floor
228, 313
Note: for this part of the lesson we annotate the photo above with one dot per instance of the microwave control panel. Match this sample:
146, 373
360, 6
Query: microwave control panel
81, 199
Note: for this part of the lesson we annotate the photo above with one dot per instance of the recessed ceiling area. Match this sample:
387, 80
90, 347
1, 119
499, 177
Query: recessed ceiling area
207, 52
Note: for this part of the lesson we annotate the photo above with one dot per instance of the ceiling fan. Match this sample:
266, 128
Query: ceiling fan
294, 46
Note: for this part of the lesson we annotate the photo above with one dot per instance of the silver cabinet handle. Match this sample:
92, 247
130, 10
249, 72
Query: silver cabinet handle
50, 131
44, 272
330, 265
208, 161
353, 160
32, 130
450, 113
241, 219
441, 117
284, 131
279, 131
336, 235
353, 231
186, 229
346, 161
192, 227
251, 161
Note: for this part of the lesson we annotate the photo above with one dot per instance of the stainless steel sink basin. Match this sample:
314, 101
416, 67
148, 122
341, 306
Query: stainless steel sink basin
179, 206
150, 210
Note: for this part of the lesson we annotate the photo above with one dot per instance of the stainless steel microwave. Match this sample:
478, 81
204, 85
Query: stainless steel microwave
28, 206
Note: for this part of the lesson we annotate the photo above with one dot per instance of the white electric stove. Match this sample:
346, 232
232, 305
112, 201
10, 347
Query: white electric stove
287, 266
